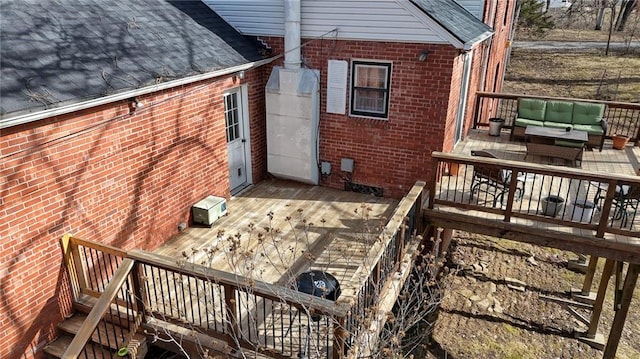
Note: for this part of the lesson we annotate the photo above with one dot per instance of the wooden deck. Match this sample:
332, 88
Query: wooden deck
526, 218
278, 229
610, 160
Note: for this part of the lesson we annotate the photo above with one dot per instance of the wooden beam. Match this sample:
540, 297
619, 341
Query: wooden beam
597, 306
546, 238
621, 314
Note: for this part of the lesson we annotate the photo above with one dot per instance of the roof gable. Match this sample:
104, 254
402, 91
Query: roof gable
368, 20
54, 53
456, 20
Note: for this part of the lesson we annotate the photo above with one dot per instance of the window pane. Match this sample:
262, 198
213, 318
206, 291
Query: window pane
371, 76
370, 82
369, 100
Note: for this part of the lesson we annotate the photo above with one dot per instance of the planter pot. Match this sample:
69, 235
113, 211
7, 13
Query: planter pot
495, 126
453, 169
620, 142
582, 211
552, 205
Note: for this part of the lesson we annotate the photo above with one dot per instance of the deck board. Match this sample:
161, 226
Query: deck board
330, 232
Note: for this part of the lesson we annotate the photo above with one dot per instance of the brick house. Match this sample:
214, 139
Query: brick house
115, 118
435, 56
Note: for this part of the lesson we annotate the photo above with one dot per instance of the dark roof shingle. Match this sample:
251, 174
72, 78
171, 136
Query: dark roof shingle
58, 52
456, 20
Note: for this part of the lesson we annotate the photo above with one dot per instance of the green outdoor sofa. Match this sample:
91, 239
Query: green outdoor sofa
581, 116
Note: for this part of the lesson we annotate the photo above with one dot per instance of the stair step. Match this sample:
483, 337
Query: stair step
108, 334
119, 314
57, 347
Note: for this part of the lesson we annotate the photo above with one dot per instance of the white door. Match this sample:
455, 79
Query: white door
236, 141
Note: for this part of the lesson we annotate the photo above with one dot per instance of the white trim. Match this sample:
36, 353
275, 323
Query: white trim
243, 111
30, 117
437, 28
244, 95
352, 63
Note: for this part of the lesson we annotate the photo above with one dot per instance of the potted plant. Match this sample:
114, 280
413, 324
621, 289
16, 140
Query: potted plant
620, 141
552, 205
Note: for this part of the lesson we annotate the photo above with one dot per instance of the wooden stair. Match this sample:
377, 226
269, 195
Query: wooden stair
57, 347
104, 341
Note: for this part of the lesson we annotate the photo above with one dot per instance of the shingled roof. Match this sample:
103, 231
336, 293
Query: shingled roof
456, 20
54, 53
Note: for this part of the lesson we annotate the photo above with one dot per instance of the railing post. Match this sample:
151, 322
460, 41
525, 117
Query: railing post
419, 220
606, 208
339, 337
140, 292
231, 304
74, 264
432, 186
513, 185
476, 112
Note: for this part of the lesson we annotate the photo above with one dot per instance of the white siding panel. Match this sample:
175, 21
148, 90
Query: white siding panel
252, 17
378, 20
475, 7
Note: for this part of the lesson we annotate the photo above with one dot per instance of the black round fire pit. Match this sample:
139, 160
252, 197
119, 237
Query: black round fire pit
318, 283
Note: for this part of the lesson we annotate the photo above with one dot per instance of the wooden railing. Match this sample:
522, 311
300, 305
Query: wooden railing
623, 118
274, 320
587, 203
102, 272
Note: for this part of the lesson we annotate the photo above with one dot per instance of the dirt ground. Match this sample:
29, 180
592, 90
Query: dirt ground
584, 74
480, 317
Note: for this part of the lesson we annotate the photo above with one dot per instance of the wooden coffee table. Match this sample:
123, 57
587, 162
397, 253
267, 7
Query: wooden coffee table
556, 143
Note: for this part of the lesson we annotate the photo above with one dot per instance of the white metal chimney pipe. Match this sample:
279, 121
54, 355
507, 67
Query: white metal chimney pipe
292, 34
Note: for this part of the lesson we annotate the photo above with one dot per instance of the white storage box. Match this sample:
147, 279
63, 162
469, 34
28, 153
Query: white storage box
209, 210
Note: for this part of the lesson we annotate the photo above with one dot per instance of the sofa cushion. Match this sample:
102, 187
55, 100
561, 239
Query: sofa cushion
557, 124
558, 111
590, 129
587, 113
524, 122
567, 143
531, 109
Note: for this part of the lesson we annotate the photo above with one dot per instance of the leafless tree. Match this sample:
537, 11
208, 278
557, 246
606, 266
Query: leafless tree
407, 324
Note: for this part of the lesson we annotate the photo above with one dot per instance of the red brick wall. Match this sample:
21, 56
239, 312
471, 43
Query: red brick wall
107, 176
391, 153
493, 55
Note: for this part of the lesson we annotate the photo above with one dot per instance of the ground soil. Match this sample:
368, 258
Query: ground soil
579, 24
480, 317
587, 74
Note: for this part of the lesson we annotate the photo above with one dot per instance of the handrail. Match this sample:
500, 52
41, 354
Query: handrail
541, 97
266, 290
623, 118
392, 228
532, 167
618, 211
98, 311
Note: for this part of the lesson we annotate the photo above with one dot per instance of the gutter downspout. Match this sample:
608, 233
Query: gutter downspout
30, 117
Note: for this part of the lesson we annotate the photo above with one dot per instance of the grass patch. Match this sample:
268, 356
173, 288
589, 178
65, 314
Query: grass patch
584, 74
